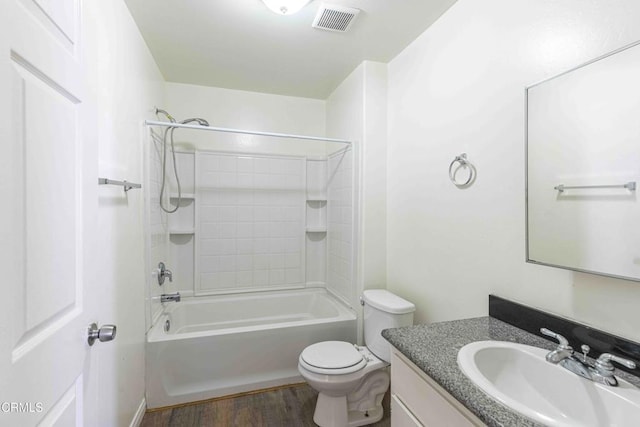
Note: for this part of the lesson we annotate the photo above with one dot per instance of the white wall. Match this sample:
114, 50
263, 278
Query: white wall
373, 249
124, 84
341, 274
356, 110
345, 119
459, 88
251, 111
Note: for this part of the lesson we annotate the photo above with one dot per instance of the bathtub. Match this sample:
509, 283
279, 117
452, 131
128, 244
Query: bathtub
221, 345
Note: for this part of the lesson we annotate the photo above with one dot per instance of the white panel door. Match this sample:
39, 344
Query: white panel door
43, 182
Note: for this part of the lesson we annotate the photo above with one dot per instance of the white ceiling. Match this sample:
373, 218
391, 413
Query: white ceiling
240, 44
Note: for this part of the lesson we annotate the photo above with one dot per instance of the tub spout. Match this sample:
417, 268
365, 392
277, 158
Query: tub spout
174, 297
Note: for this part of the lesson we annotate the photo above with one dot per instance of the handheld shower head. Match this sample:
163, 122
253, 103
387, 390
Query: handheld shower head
201, 122
166, 114
168, 132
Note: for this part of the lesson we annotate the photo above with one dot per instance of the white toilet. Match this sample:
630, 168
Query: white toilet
351, 380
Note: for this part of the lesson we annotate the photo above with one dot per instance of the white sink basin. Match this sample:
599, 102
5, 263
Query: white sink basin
519, 377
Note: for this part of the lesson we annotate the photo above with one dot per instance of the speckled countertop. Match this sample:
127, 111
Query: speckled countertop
434, 349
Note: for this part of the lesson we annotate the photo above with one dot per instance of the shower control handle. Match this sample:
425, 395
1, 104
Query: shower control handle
164, 273
103, 334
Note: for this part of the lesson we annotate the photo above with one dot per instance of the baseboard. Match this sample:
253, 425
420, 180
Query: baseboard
139, 415
227, 396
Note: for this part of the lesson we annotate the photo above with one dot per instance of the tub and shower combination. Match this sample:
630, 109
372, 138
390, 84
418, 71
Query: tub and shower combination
220, 340
215, 346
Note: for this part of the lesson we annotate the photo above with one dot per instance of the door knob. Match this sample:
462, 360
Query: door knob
105, 333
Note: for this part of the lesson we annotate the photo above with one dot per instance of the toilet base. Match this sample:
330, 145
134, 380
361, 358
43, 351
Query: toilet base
357, 418
332, 412
360, 407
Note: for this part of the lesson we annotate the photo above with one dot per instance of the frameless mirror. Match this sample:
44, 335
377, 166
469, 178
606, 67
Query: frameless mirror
583, 163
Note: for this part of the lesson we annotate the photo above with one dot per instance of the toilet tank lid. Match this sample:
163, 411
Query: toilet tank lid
386, 301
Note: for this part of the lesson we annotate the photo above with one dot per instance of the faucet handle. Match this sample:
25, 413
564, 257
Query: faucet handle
163, 272
563, 344
604, 365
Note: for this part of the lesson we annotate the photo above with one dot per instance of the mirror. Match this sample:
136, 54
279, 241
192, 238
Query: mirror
583, 163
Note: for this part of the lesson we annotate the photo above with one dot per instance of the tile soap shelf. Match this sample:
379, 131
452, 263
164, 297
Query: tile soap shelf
316, 216
182, 231
316, 229
184, 196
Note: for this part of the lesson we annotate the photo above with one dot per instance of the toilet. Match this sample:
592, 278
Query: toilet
352, 380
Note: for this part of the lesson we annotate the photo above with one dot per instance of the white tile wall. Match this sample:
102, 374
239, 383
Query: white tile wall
158, 221
340, 225
181, 246
250, 222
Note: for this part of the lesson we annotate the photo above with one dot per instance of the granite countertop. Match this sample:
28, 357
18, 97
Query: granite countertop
434, 349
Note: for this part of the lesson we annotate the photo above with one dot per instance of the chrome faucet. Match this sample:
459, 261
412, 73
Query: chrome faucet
562, 352
602, 371
604, 368
174, 297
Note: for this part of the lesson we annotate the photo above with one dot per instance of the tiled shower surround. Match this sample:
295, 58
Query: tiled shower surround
157, 239
340, 225
260, 222
250, 221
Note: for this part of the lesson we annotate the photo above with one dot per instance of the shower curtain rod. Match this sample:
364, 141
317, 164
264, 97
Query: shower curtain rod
246, 132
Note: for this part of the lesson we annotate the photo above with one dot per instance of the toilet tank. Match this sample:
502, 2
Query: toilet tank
384, 310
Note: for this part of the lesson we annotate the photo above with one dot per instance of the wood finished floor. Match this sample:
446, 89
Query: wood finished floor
291, 406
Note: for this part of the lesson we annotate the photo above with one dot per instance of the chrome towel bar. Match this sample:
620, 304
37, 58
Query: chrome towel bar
127, 185
631, 186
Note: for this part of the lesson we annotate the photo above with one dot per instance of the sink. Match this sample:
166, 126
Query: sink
519, 377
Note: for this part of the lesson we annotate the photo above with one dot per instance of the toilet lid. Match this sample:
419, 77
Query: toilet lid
331, 355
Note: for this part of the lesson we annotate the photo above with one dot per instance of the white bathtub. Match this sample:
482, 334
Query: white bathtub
235, 343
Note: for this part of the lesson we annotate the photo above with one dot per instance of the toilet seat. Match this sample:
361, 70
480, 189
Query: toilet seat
332, 358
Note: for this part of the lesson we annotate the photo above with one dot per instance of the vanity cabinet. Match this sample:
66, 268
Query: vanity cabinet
417, 400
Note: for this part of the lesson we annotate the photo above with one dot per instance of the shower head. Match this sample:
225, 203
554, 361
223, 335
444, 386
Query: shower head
201, 122
166, 114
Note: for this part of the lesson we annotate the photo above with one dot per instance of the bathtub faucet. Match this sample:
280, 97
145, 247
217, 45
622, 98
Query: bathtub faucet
174, 297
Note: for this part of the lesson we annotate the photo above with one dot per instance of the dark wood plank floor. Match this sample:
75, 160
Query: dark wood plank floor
283, 407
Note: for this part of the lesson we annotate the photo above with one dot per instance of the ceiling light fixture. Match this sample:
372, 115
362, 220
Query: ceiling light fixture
285, 7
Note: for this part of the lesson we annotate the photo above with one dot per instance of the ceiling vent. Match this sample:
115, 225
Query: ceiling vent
335, 18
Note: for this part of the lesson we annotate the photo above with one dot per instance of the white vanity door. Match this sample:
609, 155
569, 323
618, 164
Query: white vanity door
424, 400
401, 416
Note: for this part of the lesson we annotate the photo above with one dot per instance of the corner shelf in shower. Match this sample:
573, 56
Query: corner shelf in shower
183, 231
316, 214
316, 229
182, 223
184, 196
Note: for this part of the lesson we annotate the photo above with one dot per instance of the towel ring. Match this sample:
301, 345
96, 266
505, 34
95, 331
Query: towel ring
462, 162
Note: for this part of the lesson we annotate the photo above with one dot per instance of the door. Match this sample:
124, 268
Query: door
44, 187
